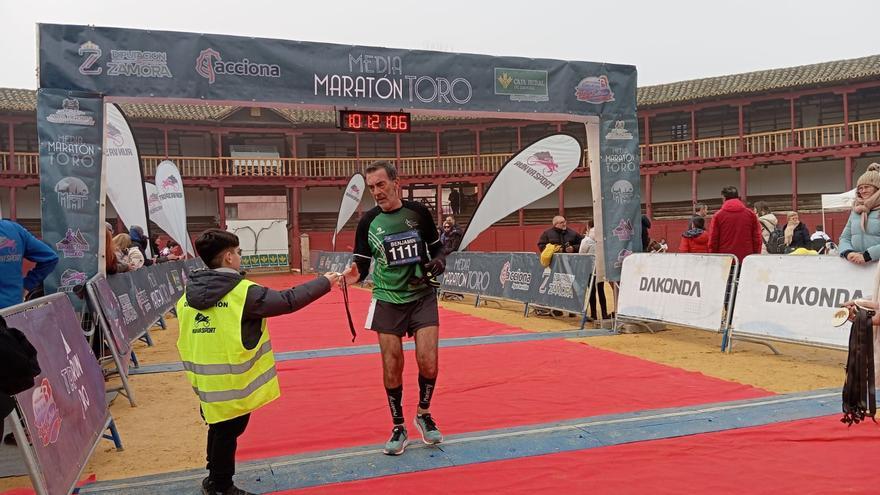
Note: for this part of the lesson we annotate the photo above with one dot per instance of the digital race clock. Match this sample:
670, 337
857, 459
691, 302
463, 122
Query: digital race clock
363, 121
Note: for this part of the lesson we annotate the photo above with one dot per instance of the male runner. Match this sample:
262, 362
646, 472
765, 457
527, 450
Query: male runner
402, 237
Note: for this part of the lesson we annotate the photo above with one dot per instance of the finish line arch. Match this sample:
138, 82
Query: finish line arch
81, 67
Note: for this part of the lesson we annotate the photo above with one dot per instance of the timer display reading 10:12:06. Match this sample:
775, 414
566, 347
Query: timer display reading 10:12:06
361, 121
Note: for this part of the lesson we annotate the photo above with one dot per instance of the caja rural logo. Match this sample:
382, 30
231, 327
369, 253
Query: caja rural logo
210, 64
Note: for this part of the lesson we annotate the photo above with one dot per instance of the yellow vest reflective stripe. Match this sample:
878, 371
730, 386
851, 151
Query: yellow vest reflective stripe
230, 380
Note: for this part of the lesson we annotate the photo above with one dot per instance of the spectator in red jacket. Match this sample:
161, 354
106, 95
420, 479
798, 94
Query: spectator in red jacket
695, 239
735, 229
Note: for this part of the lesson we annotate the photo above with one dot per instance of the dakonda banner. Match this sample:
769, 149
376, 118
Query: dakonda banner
70, 129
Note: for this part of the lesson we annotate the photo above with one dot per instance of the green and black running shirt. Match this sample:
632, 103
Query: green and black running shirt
400, 241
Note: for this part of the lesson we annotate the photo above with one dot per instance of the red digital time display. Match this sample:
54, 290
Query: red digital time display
363, 121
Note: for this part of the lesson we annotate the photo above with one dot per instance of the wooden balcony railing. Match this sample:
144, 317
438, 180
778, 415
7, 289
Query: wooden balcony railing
27, 164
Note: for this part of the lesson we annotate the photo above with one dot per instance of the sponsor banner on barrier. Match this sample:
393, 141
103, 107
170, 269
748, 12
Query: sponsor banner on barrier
794, 297
521, 277
566, 284
66, 411
70, 132
330, 261
145, 295
474, 273
688, 289
112, 311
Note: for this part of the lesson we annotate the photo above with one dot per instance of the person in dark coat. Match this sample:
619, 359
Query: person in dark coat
450, 235
646, 236
561, 235
797, 235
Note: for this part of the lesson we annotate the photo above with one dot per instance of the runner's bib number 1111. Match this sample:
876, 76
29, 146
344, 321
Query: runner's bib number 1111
404, 248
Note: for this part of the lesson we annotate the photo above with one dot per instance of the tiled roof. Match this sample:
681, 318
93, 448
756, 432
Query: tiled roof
823, 74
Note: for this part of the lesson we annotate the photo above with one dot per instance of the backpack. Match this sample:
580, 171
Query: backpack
775, 242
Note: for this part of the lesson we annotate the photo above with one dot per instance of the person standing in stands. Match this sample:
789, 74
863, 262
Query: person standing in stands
561, 235
597, 289
646, 234
860, 240
402, 238
797, 235
734, 229
17, 245
695, 239
768, 223
450, 236
700, 211
225, 349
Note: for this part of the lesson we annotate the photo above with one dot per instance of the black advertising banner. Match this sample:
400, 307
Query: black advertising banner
145, 295
566, 284
330, 261
621, 192
107, 303
71, 133
521, 277
66, 410
193, 67
165, 64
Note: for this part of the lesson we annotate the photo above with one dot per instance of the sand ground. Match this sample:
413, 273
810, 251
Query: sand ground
165, 433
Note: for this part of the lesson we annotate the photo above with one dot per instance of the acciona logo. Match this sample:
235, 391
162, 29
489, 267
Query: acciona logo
210, 64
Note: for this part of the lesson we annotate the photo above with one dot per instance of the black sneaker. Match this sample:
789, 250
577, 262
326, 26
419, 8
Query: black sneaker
208, 489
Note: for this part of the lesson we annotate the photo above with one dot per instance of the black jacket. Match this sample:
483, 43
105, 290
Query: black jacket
451, 240
206, 287
564, 238
800, 238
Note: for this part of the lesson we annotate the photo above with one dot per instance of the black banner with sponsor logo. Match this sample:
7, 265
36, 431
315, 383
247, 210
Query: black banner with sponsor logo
70, 128
145, 295
521, 277
198, 66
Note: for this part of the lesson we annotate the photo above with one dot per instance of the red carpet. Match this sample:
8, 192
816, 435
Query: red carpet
816, 456
340, 402
322, 324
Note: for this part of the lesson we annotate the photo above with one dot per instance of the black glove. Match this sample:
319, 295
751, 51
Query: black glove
435, 267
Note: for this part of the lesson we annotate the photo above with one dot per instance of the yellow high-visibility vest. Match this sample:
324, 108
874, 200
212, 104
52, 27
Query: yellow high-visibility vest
230, 380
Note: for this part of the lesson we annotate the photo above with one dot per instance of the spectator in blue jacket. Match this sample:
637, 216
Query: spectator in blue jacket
17, 245
860, 240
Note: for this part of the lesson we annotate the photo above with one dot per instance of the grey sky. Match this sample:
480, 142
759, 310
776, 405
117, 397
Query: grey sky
668, 40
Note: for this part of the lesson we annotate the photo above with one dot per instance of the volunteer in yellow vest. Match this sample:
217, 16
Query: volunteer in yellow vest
225, 347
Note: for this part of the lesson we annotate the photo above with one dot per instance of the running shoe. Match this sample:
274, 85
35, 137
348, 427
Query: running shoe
428, 428
398, 441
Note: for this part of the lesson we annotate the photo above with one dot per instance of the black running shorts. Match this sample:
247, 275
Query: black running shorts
403, 319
